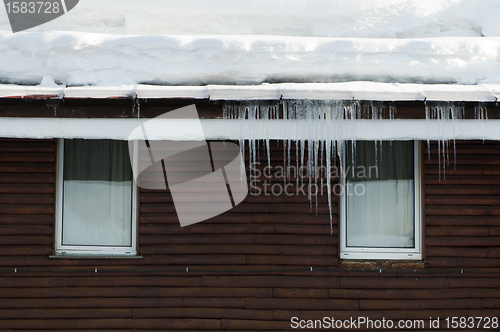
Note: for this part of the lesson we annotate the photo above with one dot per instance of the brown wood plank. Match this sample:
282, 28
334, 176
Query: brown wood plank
393, 283
296, 239
96, 324
482, 293
494, 252
156, 260
215, 313
491, 303
18, 145
165, 198
399, 294
196, 239
212, 302
143, 281
227, 217
456, 231
440, 262
31, 178
202, 259
271, 281
469, 149
26, 209
27, 168
292, 260
300, 219
134, 292
28, 282
26, 251
12, 261
82, 302
420, 304
462, 241
306, 304
303, 229
209, 249
462, 210
157, 229
301, 208
62, 313
26, 188
477, 262
305, 293
474, 282
462, 220
483, 313
449, 190
26, 199
254, 325
457, 252
481, 160
26, 239
308, 250
27, 219
494, 231
462, 200
27, 157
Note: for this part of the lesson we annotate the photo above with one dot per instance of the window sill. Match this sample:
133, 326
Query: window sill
84, 256
369, 263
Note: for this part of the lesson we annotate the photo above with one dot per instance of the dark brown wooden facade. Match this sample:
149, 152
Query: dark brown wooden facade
252, 268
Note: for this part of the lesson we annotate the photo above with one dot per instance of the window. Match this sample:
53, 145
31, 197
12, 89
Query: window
380, 207
96, 198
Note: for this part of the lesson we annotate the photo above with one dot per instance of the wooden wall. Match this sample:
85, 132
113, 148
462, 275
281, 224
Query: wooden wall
250, 268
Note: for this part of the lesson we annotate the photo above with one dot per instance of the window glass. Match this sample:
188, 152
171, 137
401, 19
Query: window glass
97, 193
380, 194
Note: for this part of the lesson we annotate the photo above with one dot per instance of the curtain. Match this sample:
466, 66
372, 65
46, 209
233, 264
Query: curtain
97, 193
380, 194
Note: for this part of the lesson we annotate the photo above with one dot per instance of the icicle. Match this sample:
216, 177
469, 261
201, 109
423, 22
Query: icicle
481, 114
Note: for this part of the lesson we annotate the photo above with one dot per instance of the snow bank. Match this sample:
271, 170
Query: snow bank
88, 58
323, 18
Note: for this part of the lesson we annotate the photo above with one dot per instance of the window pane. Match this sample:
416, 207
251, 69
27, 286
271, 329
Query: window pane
97, 194
380, 195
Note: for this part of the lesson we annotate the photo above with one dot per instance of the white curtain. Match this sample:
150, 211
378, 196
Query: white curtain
380, 201
97, 197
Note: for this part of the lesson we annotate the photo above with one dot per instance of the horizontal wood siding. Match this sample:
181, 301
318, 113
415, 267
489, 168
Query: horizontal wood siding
462, 200
250, 269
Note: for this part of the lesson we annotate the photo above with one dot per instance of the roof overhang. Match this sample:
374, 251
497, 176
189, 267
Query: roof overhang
317, 91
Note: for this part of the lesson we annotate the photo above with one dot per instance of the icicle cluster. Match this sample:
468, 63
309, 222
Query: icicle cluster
447, 113
321, 154
319, 116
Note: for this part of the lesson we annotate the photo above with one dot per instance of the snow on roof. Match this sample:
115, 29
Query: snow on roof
247, 42
107, 60
318, 18
334, 91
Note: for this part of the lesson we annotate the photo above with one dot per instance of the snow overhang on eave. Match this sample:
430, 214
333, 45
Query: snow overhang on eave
312, 91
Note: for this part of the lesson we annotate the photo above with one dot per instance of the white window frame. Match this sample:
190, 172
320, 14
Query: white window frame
91, 250
386, 253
